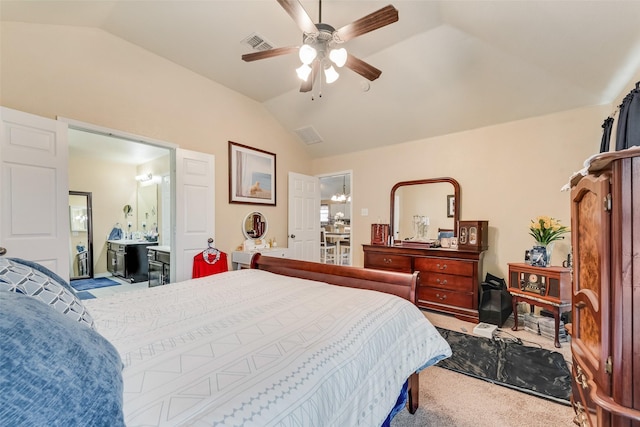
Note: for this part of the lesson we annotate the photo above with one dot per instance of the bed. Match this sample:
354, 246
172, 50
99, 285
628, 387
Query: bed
275, 345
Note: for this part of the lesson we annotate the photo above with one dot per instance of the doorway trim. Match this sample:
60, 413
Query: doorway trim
351, 217
172, 147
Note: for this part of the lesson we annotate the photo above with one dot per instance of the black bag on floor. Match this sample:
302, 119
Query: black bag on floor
495, 301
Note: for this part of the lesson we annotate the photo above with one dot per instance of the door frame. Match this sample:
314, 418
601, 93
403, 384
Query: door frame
351, 217
115, 133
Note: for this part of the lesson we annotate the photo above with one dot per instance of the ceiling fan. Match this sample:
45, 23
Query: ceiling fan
320, 49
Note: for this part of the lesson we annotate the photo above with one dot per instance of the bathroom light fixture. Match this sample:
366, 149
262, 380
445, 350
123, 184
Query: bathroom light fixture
144, 177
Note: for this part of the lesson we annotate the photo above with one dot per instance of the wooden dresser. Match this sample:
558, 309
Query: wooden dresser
605, 223
449, 278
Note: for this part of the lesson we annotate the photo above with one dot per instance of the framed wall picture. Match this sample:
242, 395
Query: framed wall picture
252, 175
451, 200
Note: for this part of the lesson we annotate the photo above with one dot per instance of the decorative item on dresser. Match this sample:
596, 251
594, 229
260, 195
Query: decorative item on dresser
474, 235
449, 277
605, 227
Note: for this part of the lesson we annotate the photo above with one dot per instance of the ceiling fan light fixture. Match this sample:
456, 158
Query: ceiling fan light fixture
330, 74
307, 54
303, 72
338, 56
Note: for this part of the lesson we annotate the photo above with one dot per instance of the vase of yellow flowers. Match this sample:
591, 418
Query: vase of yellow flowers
546, 230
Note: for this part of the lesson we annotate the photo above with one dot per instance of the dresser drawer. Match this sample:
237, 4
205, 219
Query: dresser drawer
447, 281
443, 296
443, 265
380, 261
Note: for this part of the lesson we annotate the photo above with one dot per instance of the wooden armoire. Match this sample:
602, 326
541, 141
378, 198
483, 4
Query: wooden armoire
605, 334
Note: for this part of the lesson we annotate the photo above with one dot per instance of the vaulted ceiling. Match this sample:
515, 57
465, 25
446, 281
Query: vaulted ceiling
447, 66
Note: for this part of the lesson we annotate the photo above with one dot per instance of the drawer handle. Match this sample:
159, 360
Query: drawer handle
444, 282
444, 267
441, 298
580, 304
386, 260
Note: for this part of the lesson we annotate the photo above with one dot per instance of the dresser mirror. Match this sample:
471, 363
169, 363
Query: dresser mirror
254, 225
423, 209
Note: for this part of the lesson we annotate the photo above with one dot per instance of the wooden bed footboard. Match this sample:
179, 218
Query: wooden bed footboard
400, 284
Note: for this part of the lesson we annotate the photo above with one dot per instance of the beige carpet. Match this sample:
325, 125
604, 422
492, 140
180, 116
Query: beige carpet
451, 399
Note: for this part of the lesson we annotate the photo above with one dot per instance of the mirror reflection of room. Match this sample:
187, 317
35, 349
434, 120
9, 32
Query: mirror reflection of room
80, 239
335, 219
254, 229
422, 211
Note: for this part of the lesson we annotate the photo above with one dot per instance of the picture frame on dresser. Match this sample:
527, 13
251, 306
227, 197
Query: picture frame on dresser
252, 175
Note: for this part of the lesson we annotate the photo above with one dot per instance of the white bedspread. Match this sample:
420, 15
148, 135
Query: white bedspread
251, 348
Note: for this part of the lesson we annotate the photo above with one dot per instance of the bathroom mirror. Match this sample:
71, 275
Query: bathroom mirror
254, 225
147, 214
421, 208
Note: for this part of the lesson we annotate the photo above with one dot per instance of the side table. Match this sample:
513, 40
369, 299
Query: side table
546, 287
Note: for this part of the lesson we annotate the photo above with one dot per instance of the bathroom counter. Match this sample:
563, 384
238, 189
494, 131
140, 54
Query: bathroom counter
131, 242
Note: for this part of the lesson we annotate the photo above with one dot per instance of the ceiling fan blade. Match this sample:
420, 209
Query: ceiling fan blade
308, 85
385, 16
270, 53
366, 70
299, 15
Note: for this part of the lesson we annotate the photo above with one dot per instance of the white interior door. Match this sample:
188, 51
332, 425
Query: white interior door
304, 217
194, 209
34, 215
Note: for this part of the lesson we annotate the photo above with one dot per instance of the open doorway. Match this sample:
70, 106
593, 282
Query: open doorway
336, 218
118, 172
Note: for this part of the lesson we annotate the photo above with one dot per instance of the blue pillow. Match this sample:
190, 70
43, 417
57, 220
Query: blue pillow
53, 370
44, 270
29, 278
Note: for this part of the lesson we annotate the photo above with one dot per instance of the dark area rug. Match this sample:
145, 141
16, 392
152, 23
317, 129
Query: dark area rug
532, 370
86, 284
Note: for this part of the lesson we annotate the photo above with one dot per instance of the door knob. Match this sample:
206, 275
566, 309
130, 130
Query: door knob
2, 250
293, 236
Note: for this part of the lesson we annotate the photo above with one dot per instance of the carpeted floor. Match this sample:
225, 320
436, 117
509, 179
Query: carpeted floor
451, 399
98, 282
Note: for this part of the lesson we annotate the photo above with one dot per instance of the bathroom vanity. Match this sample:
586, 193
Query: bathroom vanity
159, 258
127, 259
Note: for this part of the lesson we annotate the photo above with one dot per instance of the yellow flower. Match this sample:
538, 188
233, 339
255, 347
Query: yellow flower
545, 230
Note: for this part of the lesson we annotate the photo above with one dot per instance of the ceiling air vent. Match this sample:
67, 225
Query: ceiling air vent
257, 42
308, 135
